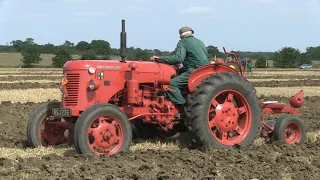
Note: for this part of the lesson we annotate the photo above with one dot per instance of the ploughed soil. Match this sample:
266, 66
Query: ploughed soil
31, 77
291, 83
33, 85
267, 161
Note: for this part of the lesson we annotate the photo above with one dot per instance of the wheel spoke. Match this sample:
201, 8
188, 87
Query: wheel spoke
91, 130
214, 103
102, 120
242, 110
239, 130
229, 97
224, 136
212, 122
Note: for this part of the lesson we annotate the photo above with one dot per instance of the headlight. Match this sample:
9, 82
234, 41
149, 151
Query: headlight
92, 70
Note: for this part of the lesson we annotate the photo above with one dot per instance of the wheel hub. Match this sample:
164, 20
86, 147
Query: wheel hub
103, 135
52, 134
227, 117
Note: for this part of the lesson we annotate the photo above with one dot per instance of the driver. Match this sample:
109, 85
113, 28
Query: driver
192, 53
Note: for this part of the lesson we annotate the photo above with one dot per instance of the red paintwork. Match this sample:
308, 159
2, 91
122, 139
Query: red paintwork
135, 87
108, 135
146, 73
292, 133
54, 132
207, 70
237, 60
297, 100
229, 124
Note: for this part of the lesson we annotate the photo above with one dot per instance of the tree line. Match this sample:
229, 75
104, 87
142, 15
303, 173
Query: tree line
101, 49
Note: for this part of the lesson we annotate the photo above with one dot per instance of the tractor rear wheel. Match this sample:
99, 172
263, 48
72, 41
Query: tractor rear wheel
224, 111
40, 132
102, 129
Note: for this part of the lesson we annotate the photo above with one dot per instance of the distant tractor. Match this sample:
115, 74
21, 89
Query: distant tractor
102, 100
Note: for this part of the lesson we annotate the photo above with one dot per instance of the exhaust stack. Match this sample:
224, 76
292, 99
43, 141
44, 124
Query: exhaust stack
123, 43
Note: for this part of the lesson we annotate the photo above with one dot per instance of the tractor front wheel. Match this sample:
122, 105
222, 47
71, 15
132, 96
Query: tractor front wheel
224, 111
42, 132
290, 129
102, 129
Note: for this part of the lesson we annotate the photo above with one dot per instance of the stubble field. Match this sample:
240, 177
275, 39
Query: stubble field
21, 91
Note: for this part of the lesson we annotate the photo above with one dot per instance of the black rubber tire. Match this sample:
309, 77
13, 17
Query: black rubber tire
281, 123
37, 116
201, 98
85, 119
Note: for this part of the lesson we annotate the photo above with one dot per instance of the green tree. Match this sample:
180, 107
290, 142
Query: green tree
31, 55
261, 62
17, 44
313, 52
89, 55
213, 51
141, 54
29, 41
100, 47
105, 57
48, 48
60, 58
287, 57
304, 59
83, 46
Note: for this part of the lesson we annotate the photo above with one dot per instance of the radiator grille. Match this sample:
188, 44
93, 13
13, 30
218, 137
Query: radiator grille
72, 89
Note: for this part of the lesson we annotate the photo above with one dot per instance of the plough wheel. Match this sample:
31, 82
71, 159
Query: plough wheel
41, 133
102, 129
290, 129
224, 111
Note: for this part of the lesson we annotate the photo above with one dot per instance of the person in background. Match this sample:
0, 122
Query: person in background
249, 66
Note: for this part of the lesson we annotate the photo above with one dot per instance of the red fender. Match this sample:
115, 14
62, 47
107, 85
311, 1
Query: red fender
204, 71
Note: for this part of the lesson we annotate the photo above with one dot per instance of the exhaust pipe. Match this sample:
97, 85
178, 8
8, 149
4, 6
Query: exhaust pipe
123, 43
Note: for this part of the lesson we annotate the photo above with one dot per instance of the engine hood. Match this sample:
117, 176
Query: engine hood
116, 65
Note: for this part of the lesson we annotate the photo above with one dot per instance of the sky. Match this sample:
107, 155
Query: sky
247, 25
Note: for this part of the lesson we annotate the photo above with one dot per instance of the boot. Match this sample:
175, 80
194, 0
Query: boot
181, 113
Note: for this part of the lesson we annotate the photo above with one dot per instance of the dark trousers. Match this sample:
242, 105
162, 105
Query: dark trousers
176, 84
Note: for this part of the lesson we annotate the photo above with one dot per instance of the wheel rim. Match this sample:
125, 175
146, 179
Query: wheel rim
51, 134
229, 117
105, 135
292, 133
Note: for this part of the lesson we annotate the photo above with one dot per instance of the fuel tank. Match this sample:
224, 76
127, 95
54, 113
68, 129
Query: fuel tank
146, 71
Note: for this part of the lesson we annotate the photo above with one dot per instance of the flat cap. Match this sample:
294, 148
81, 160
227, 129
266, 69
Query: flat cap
185, 29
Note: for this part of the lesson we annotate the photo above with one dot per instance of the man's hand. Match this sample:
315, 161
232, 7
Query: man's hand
155, 58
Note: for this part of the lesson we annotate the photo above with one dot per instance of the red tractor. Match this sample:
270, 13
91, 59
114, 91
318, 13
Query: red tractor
102, 99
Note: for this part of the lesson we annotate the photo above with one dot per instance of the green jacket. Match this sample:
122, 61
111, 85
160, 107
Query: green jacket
190, 51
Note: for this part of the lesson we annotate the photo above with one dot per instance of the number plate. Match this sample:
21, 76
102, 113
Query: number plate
61, 112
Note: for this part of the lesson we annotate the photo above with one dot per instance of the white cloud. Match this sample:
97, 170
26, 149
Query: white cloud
89, 14
198, 10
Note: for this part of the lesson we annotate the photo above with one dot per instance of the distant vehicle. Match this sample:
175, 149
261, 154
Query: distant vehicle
305, 66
